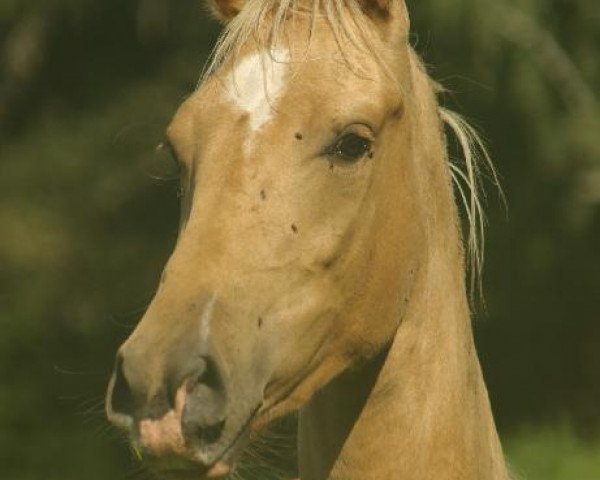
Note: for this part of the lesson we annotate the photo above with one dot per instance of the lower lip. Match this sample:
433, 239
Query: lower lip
216, 471
193, 471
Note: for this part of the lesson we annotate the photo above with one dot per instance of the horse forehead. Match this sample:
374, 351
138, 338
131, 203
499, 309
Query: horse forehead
256, 82
257, 85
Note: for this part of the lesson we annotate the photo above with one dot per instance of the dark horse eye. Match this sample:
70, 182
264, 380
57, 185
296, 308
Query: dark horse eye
351, 147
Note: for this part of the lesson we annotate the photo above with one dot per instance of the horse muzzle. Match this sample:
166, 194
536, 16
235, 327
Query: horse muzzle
185, 431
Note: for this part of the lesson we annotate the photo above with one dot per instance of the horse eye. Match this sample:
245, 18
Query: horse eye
352, 147
169, 161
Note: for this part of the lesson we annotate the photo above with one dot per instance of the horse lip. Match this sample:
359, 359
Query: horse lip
219, 469
123, 422
191, 467
197, 463
119, 420
233, 448
195, 467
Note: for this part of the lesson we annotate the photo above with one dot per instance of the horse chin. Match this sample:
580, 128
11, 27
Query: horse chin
191, 467
216, 471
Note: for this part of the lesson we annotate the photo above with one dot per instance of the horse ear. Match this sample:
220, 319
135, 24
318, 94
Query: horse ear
387, 11
225, 10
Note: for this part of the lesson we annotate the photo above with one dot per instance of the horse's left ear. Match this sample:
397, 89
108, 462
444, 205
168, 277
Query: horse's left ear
387, 11
225, 10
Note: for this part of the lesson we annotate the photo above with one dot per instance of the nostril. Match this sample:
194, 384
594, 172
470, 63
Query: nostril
210, 376
210, 434
205, 374
203, 419
121, 399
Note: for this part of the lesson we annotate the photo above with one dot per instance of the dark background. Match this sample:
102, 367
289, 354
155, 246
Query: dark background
89, 214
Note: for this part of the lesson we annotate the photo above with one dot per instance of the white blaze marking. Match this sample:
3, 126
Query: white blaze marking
257, 82
205, 320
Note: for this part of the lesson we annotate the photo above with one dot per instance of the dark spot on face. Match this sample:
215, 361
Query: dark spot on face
294, 228
398, 111
192, 307
331, 166
263, 195
260, 322
330, 261
244, 117
371, 154
299, 136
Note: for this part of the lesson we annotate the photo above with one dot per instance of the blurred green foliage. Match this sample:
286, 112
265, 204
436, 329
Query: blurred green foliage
89, 216
552, 453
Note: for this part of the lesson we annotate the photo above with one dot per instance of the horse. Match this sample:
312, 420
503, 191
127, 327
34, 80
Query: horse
320, 266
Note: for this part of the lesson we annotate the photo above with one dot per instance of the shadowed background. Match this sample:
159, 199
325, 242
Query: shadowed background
89, 213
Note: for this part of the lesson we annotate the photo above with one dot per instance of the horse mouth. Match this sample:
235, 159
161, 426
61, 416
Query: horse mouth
219, 470
192, 471
164, 448
191, 466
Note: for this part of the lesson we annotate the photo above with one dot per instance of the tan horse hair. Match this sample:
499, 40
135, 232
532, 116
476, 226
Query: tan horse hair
250, 23
431, 365
262, 21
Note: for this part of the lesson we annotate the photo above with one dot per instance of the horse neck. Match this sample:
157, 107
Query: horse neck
420, 410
